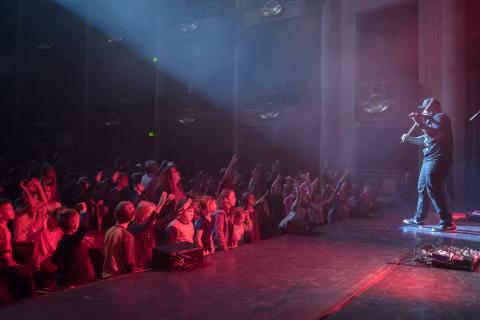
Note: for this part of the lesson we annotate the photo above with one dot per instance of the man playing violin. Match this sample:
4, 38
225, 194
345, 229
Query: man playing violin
437, 142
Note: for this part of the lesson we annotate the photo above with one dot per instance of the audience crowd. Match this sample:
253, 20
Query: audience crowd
62, 227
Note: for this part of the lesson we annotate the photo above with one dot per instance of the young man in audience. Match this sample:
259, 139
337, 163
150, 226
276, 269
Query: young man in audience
298, 214
71, 255
121, 192
151, 168
26, 209
339, 202
181, 228
204, 225
16, 282
142, 229
119, 243
46, 239
223, 219
6, 214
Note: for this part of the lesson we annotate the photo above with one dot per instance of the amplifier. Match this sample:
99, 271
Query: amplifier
178, 256
455, 258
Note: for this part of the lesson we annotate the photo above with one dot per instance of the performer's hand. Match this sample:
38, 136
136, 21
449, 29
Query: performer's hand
404, 137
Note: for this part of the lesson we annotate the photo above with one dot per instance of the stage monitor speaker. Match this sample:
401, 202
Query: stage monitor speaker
175, 257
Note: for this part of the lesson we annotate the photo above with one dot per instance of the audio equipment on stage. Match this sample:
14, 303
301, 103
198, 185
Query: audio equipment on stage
444, 256
175, 257
455, 258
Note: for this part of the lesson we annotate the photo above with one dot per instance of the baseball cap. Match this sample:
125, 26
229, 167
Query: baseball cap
435, 104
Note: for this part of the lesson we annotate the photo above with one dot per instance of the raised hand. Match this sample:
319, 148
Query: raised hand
81, 207
139, 188
162, 200
170, 197
307, 176
115, 176
99, 176
267, 193
296, 184
36, 182
23, 186
187, 204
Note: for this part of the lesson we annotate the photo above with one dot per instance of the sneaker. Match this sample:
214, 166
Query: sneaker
448, 228
413, 222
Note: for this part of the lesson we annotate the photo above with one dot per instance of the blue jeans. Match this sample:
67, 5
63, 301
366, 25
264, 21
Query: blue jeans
431, 185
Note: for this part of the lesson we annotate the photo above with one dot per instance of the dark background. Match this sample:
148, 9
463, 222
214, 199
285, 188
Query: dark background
61, 81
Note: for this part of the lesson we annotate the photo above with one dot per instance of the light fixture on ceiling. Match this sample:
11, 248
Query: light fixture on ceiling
269, 111
115, 37
44, 44
376, 103
189, 25
187, 116
113, 119
191, 87
112, 123
271, 8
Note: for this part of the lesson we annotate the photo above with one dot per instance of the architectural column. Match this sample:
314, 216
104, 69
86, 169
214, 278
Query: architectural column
347, 82
329, 86
453, 85
442, 36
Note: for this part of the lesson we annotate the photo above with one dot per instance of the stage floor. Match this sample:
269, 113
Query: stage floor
345, 271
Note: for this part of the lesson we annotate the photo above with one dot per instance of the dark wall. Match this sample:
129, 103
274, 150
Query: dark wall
278, 68
238, 63
120, 99
387, 65
473, 99
48, 76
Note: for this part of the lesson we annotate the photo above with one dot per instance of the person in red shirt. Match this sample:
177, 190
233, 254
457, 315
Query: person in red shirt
16, 282
6, 214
